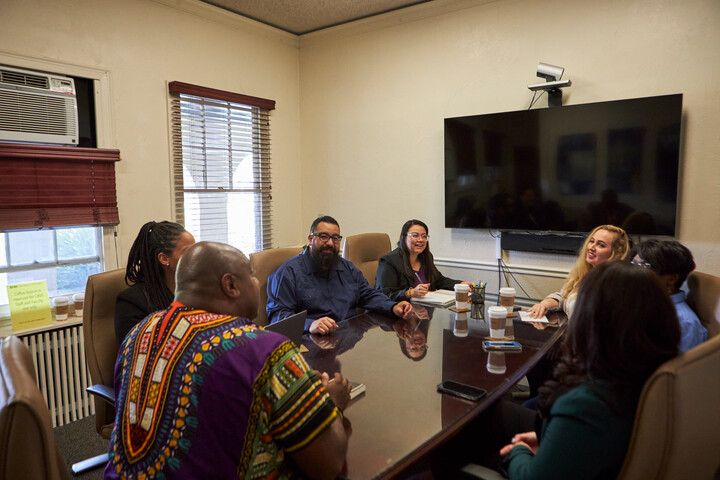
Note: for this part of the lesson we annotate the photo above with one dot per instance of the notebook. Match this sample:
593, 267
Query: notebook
292, 327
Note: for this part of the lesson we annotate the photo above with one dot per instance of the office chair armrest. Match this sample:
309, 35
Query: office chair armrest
104, 392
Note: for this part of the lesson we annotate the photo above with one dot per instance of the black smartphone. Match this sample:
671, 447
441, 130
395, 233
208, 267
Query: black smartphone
468, 392
502, 346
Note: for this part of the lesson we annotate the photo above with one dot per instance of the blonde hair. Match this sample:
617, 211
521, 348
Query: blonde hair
620, 246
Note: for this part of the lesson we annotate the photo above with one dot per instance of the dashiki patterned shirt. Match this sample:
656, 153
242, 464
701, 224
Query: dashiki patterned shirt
203, 396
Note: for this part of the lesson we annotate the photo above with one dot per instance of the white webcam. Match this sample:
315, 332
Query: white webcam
549, 72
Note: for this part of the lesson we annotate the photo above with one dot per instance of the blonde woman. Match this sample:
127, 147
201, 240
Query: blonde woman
606, 242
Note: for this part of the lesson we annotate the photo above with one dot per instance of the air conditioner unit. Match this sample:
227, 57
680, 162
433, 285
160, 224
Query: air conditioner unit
37, 107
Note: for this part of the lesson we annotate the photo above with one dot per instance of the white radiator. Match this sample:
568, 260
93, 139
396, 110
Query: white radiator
62, 373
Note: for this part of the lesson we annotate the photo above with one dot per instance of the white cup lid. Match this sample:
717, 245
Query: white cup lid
462, 287
498, 311
507, 291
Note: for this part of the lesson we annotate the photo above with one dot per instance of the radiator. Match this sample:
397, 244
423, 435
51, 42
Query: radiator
62, 373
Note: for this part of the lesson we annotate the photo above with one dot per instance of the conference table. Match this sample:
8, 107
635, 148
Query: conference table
401, 417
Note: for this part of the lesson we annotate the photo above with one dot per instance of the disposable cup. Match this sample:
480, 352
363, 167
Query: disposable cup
497, 317
61, 308
507, 298
462, 295
79, 302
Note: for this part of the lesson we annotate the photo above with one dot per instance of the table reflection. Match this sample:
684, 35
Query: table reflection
442, 345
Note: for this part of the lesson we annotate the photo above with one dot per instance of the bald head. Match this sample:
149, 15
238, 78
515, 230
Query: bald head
217, 277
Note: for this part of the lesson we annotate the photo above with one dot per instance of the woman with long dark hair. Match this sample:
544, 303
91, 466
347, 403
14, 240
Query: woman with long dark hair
409, 271
623, 328
150, 271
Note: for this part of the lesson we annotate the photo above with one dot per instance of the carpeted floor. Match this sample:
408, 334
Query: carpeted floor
78, 441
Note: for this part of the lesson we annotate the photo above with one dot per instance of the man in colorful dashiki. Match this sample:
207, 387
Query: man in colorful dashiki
329, 287
202, 392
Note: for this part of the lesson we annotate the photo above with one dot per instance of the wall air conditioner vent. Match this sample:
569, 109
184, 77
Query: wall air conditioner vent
37, 107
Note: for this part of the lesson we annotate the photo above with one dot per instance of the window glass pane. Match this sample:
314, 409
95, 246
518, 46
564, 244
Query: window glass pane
47, 274
72, 278
79, 242
226, 218
3, 253
30, 247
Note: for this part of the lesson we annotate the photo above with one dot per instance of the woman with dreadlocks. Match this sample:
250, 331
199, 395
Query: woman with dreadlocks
150, 272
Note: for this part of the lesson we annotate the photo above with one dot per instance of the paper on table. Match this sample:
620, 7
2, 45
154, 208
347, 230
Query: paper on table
438, 297
525, 317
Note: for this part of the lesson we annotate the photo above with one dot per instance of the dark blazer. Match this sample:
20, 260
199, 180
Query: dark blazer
392, 280
131, 307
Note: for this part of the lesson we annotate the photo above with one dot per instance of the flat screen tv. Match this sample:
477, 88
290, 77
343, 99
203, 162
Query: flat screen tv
566, 169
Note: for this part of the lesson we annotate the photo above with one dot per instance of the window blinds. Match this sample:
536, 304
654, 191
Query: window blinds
51, 186
221, 165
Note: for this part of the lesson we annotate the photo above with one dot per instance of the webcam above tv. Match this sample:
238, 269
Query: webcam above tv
566, 169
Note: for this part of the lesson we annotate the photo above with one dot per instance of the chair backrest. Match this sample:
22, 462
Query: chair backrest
28, 446
101, 348
677, 427
364, 251
265, 263
704, 299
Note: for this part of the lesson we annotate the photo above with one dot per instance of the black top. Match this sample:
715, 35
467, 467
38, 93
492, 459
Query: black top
392, 280
132, 306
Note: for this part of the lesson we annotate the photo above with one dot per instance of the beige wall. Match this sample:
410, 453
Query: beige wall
142, 45
374, 95
357, 132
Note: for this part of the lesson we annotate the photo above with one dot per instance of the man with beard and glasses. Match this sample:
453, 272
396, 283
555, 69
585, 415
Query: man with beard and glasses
329, 287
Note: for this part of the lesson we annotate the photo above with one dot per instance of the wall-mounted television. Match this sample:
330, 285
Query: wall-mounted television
566, 169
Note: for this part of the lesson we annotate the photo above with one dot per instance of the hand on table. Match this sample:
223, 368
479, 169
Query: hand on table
419, 290
338, 389
403, 310
539, 309
323, 326
528, 439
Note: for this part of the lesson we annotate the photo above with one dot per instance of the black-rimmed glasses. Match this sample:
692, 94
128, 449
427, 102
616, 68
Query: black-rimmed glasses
324, 237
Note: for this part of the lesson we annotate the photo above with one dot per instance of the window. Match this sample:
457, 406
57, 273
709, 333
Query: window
221, 165
63, 257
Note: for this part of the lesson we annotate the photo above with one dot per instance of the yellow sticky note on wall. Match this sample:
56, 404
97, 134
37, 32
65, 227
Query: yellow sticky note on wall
29, 305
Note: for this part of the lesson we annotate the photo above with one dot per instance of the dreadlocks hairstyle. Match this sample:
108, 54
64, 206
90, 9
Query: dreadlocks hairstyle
143, 265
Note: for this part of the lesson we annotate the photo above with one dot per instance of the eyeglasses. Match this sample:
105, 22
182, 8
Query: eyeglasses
324, 237
415, 236
641, 264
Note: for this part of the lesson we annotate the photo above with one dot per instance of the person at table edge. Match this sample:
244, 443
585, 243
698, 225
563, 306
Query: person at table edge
201, 394
409, 271
329, 287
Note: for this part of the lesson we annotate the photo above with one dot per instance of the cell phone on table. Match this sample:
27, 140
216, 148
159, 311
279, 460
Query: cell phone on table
468, 392
501, 346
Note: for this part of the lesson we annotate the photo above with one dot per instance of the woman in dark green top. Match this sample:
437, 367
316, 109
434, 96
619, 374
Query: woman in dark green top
623, 328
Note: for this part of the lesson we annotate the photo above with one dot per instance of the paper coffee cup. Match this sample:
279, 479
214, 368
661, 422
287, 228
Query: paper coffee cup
496, 363
462, 295
507, 298
62, 308
497, 317
79, 301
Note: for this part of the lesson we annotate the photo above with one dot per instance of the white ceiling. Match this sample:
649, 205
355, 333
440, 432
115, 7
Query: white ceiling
305, 16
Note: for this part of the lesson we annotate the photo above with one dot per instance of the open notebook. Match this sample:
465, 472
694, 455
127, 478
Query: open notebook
438, 298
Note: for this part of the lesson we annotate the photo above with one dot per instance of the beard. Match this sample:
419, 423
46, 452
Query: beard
325, 258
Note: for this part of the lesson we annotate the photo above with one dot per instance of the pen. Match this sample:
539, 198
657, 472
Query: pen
418, 277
